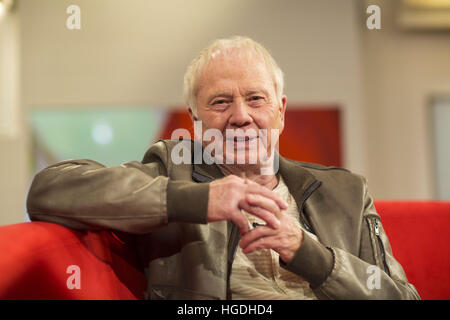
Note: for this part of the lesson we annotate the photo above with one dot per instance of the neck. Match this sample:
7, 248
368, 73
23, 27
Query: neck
252, 173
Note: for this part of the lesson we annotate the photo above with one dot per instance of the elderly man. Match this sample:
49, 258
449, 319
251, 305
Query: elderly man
228, 229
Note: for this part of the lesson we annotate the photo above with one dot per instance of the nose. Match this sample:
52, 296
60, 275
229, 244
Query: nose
240, 116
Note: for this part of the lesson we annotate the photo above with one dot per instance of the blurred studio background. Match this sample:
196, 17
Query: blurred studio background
375, 101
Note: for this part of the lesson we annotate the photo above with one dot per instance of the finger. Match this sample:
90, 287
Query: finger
261, 213
261, 243
257, 200
258, 189
241, 222
255, 234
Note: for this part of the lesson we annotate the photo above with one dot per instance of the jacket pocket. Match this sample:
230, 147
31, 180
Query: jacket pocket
376, 231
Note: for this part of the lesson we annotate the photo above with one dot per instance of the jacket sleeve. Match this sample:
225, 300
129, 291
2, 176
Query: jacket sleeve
338, 274
133, 197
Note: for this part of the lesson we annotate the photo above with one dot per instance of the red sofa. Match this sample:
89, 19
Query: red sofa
36, 257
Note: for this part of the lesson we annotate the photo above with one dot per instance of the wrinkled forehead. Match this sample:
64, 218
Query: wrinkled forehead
234, 63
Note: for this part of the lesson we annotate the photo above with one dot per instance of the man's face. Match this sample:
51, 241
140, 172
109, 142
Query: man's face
236, 91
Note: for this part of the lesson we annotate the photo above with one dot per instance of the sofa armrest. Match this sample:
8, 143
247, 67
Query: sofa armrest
419, 233
36, 260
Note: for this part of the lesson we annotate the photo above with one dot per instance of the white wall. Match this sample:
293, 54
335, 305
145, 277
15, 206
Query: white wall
441, 135
402, 72
13, 161
136, 52
9, 81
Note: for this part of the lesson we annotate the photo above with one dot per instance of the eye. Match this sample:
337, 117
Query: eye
220, 101
256, 100
220, 104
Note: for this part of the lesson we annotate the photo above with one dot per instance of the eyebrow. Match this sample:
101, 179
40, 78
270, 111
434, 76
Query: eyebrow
227, 95
257, 91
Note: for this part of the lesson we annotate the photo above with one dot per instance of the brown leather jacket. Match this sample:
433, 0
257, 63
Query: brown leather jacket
188, 258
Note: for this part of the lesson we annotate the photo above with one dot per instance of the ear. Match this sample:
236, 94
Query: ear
192, 115
282, 110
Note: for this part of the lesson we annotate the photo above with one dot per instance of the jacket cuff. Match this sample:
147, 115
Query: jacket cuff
187, 201
313, 261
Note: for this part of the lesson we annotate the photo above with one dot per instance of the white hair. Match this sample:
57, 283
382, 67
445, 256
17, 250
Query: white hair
195, 68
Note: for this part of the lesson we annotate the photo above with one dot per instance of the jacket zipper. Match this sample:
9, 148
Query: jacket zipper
381, 246
232, 248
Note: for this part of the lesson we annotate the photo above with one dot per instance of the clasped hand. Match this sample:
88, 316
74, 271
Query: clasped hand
227, 196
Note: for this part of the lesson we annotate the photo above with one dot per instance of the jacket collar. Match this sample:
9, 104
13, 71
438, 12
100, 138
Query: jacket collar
298, 180
206, 172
